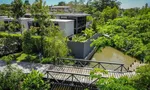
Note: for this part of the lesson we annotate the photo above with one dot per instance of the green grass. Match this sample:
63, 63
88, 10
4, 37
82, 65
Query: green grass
19, 57
22, 57
27, 57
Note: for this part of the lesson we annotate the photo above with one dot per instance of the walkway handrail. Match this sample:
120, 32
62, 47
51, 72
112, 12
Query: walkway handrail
73, 78
83, 60
67, 73
93, 64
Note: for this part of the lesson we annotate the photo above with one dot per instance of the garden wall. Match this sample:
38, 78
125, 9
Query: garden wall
81, 50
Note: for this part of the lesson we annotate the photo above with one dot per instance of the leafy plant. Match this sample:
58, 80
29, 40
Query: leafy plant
47, 60
141, 80
128, 34
27, 42
11, 78
34, 81
87, 34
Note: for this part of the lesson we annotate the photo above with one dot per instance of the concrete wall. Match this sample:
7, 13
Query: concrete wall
81, 49
67, 27
24, 23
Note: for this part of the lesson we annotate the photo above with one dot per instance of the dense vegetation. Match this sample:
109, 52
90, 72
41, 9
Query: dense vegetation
126, 30
138, 82
14, 79
39, 44
128, 34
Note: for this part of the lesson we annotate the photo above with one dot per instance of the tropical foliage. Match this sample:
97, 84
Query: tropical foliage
138, 82
127, 30
33, 81
130, 35
14, 79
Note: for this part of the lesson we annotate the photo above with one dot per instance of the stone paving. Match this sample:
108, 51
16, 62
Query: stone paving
26, 67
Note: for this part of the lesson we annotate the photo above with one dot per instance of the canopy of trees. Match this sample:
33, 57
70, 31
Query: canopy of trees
44, 39
126, 30
128, 34
62, 3
138, 82
14, 79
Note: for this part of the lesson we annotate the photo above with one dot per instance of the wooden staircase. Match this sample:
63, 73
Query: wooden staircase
135, 65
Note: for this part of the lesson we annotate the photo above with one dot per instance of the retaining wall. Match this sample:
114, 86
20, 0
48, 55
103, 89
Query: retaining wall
81, 50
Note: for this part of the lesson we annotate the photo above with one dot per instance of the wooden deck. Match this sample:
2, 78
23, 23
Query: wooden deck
66, 87
64, 73
82, 75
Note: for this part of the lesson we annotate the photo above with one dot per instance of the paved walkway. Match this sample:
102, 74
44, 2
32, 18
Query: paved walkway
26, 67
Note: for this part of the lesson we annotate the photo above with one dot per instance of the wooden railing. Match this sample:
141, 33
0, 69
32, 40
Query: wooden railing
72, 78
110, 66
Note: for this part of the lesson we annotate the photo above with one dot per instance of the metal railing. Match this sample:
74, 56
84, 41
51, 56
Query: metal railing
110, 66
72, 78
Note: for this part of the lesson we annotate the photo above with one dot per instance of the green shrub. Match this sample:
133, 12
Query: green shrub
11, 56
11, 78
6, 35
7, 58
12, 43
77, 38
46, 60
89, 18
26, 57
2, 28
34, 81
87, 34
31, 58
22, 57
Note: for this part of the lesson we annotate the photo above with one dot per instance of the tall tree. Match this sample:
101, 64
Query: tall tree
62, 3
102, 4
27, 45
51, 37
40, 13
26, 2
5, 9
18, 9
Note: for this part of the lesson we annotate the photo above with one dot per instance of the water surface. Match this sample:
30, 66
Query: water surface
109, 54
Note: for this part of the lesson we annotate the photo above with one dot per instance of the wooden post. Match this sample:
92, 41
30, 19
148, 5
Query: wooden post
72, 84
121, 67
98, 65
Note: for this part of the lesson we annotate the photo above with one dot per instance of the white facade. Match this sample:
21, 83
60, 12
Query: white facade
67, 26
3, 17
24, 23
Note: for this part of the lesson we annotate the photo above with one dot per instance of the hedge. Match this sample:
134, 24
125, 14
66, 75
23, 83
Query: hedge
18, 38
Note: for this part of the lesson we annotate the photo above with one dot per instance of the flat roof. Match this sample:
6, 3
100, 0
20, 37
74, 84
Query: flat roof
73, 14
66, 14
31, 19
59, 6
6, 18
22, 18
61, 20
